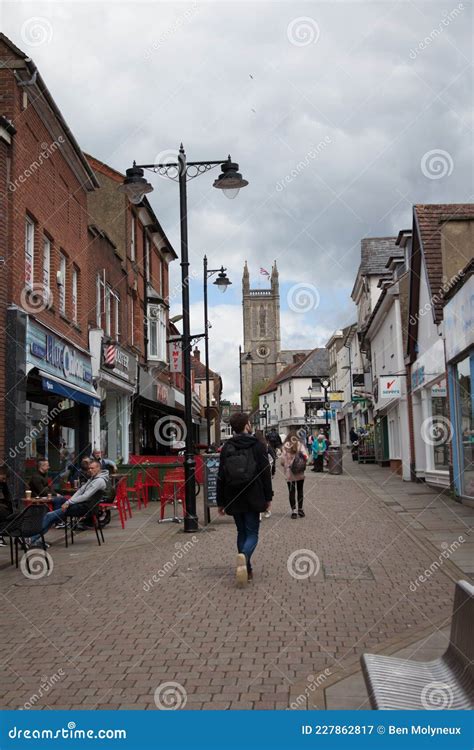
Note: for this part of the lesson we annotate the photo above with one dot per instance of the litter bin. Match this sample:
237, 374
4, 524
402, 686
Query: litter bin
335, 460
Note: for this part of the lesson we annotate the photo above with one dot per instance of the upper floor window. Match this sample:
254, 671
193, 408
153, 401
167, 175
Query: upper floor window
132, 320
133, 237
147, 257
74, 290
289, 386
99, 291
62, 283
46, 264
29, 252
157, 332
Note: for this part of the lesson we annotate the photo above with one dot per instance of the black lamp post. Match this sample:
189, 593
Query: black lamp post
136, 187
310, 393
222, 282
325, 383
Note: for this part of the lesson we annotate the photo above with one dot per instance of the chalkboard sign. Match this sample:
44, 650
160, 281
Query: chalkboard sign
211, 469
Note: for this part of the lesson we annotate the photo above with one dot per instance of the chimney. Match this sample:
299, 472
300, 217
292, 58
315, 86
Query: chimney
197, 354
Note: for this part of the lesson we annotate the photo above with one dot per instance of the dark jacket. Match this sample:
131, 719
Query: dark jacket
39, 485
274, 439
6, 507
258, 493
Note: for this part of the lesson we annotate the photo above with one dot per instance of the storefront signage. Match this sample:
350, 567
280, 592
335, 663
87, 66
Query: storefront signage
175, 355
390, 387
439, 390
119, 362
458, 314
417, 377
55, 356
336, 396
162, 393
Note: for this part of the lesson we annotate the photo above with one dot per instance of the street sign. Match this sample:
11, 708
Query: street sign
211, 469
336, 396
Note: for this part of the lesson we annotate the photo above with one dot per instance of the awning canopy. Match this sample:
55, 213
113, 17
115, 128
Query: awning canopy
51, 384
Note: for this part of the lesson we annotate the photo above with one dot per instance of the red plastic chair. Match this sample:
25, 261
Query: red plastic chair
121, 502
138, 491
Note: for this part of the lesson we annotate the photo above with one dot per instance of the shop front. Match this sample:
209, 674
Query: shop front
115, 371
158, 422
51, 396
460, 359
431, 420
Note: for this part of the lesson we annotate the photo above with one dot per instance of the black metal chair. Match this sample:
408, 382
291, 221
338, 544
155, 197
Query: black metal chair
447, 682
90, 510
27, 523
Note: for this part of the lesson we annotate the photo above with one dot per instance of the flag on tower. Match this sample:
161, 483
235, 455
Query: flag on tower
264, 272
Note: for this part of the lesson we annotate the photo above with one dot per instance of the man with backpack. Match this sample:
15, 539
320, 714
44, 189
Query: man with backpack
244, 489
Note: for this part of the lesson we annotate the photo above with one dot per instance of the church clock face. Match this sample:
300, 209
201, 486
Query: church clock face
263, 351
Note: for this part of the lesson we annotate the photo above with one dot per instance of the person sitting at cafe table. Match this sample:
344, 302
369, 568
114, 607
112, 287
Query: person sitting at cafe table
79, 504
83, 474
106, 463
40, 486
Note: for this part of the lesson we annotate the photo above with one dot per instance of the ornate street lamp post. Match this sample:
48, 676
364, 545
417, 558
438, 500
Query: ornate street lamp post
136, 187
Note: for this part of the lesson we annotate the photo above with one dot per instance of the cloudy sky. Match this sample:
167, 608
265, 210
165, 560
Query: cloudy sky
341, 116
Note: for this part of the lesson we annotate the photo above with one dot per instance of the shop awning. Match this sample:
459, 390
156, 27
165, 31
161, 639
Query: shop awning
62, 388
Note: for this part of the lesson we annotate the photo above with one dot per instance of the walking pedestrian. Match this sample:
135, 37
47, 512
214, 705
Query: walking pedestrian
354, 438
244, 489
319, 449
274, 439
271, 454
293, 459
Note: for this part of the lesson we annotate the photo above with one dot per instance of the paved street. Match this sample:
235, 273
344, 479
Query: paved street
101, 632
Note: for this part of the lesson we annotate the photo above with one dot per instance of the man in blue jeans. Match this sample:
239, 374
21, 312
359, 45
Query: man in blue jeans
244, 489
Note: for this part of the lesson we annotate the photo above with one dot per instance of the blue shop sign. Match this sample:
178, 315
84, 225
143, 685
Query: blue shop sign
417, 377
55, 356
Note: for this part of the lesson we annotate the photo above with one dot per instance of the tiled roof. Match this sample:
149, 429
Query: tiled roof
315, 364
271, 386
374, 254
428, 221
199, 369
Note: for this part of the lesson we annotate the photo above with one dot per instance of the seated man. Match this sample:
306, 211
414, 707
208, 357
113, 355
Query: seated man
40, 486
81, 503
83, 474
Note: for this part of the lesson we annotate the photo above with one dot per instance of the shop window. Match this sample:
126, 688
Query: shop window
157, 333
440, 426
465, 400
62, 284
74, 292
29, 252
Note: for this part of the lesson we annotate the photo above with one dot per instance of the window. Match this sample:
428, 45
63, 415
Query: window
157, 332
281, 411
46, 264
62, 284
75, 282
132, 322
289, 386
116, 299
162, 279
147, 257
291, 409
29, 252
274, 398
133, 231
99, 285
107, 310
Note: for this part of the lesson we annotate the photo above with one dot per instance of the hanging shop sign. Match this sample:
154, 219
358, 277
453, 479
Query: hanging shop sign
390, 387
119, 362
175, 355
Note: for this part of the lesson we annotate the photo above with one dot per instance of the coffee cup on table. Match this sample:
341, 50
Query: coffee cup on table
28, 494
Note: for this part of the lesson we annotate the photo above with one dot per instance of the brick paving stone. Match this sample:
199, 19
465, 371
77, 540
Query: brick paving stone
230, 649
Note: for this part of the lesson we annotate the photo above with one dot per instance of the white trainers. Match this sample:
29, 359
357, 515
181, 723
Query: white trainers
241, 573
267, 514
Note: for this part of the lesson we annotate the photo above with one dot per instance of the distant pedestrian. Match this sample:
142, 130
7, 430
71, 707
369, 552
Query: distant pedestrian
274, 439
293, 459
354, 438
319, 449
244, 489
105, 463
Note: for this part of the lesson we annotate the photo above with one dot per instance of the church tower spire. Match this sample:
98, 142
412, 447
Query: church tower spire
275, 279
245, 280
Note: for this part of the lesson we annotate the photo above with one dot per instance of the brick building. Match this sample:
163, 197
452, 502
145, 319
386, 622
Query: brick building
45, 180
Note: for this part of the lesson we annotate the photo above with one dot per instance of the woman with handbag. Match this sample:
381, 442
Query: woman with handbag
294, 456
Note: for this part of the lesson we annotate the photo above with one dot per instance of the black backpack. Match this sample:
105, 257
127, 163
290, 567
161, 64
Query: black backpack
240, 467
298, 465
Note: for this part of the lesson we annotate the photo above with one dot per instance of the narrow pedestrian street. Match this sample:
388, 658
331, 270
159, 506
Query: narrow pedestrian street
363, 571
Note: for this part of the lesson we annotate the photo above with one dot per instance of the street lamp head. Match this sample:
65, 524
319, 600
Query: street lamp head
325, 383
310, 389
134, 185
222, 281
230, 180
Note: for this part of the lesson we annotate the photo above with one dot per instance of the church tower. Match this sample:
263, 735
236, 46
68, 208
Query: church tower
261, 351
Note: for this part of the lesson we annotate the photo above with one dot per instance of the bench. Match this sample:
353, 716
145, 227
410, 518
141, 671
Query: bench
446, 683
